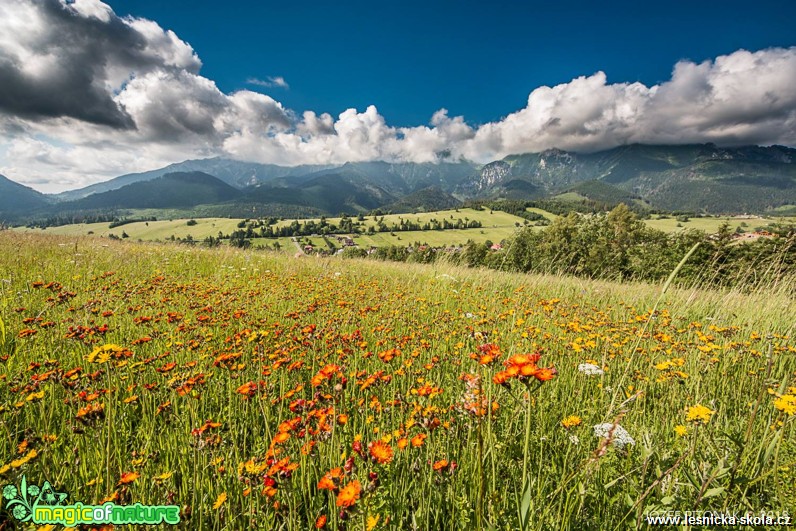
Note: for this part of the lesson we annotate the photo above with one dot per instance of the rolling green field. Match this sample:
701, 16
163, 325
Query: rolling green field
265, 391
150, 230
495, 227
711, 224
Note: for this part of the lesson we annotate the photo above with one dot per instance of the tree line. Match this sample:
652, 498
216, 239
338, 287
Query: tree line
617, 245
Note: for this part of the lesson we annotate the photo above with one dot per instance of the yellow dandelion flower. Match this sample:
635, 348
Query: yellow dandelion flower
571, 421
102, 354
681, 430
220, 500
35, 396
786, 403
698, 413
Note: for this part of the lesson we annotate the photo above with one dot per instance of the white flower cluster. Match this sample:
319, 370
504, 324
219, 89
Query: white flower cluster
619, 438
589, 369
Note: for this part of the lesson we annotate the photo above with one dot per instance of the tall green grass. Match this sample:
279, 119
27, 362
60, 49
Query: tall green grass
516, 467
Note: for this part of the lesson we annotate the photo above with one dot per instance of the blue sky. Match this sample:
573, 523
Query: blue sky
93, 89
479, 59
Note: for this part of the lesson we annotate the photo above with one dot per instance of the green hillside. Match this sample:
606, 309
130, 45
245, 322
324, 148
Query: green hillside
17, 200
174, 190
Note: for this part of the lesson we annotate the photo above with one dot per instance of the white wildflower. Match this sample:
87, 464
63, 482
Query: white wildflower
619, 436
590, 370
574, 439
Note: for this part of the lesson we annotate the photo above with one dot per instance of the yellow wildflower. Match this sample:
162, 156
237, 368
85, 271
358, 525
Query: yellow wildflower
699, 413
220, 500
786, 403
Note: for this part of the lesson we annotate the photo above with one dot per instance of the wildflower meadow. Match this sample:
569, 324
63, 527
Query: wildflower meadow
260, 391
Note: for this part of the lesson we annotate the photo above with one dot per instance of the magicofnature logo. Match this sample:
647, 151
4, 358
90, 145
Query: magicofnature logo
43, 505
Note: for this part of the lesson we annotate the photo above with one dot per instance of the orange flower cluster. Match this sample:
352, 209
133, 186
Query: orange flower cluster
524, 367
91, 412
487, 354
247, 390
326, 374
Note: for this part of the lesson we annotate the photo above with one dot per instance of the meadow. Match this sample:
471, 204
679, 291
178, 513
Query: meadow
259, 390
496, 226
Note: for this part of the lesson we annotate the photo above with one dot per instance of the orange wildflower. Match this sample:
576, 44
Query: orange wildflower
128, 477
247, 390
419, 439
381, 452
441, 464
167, 367
349, 494
270, 487
324, 374
501, 378
326, 483
523, 367
488, 353
545, 374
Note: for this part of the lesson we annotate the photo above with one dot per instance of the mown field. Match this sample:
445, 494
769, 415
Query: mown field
261, 391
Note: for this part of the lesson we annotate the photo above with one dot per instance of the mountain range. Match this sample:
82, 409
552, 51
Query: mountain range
695, 178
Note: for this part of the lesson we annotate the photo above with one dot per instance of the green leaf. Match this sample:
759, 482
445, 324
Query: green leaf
525, 506
691, 479
783, 386
667, 500
770, 450
629, 500
715, 491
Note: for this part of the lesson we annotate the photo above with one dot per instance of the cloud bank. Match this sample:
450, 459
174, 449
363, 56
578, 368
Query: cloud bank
87, 95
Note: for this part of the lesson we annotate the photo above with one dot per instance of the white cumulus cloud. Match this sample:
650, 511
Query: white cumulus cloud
87, 95
273, 81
